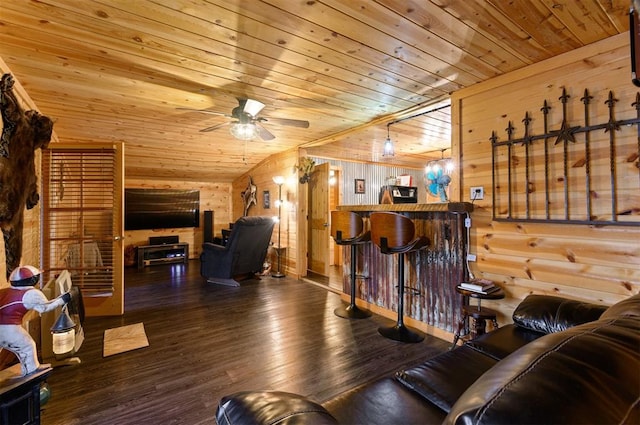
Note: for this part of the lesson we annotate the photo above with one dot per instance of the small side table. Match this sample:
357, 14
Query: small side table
478, 313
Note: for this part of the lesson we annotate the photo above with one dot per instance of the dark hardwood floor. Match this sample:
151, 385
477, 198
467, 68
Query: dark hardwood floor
206, 341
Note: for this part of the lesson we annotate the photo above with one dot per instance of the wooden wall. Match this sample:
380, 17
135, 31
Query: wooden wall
595, 263
213, 196
293, 209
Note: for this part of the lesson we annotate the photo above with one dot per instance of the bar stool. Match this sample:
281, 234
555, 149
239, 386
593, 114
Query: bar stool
395, 234
347, 228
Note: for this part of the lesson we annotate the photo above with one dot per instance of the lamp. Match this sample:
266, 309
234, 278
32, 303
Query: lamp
387, 150
445, 165
279, 180
64, 334
243, 131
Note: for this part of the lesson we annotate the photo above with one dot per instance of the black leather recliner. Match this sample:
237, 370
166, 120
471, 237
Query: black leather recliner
242, 256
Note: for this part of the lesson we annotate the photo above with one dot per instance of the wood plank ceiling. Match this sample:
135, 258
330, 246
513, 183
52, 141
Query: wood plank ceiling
118, 70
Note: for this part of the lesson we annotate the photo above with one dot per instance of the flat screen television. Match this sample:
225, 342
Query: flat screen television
146, 209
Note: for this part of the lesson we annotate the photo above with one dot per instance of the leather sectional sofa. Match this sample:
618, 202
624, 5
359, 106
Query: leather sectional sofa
561, 361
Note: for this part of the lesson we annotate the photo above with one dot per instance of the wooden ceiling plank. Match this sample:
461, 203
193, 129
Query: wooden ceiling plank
330, 16
446, 27
314, 41
223, 46
151, 71
416, 44
586, 20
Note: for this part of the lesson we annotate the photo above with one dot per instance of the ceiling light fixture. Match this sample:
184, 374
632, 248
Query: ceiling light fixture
445, 164
387, 150
243, 131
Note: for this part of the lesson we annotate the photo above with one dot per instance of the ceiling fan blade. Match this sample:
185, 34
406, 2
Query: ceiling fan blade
213, 127
289, 122
264, 133
204, 111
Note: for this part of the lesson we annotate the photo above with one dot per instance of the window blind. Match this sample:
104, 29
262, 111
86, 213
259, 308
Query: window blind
78, 208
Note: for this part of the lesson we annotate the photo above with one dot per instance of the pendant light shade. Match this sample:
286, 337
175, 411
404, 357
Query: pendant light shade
387, 149
242, 131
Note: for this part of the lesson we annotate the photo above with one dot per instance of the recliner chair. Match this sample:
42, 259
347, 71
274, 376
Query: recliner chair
242, 256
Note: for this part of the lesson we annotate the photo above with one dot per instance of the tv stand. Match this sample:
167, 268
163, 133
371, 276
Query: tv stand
149, 255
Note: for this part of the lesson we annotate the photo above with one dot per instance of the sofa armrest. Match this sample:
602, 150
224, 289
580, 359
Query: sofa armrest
549, 314
271, 407
584, 375
212, 247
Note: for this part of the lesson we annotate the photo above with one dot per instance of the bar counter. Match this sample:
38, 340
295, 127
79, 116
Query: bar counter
434, 272
450, 207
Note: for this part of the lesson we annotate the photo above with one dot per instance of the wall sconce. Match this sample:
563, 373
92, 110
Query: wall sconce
332, 178
387, 150
279, 180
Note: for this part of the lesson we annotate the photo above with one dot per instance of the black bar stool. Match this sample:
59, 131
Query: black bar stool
347, 228
395, 234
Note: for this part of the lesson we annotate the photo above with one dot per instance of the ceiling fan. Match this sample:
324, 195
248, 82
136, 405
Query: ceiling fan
246, 124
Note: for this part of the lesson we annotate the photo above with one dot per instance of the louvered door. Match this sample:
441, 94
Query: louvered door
82, 221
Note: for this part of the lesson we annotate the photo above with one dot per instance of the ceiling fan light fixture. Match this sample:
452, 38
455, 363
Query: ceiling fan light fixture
242, 131
253, 107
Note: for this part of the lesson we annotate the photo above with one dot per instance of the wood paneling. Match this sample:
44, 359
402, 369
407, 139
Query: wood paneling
215, 197
262, 176
118, 70
595, 263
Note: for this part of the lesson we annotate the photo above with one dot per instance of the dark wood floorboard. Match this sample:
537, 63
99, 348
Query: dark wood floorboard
207, 341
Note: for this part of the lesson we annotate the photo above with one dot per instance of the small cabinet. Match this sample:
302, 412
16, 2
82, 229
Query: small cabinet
149, 255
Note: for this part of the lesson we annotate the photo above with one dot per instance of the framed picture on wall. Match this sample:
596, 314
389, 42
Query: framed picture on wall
266, 199
359, 184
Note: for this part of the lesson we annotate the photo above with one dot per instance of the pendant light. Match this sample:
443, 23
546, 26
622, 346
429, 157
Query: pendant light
387, 150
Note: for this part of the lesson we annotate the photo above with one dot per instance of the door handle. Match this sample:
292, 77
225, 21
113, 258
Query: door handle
325, 224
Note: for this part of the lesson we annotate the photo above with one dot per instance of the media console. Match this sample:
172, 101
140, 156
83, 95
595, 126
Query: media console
149, 255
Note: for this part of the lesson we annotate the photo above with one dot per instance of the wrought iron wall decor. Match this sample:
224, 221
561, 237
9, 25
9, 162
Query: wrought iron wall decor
577, 174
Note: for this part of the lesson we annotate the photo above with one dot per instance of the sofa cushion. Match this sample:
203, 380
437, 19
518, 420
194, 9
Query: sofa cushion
442, 379
384, 401
548, 314
627, 307
271, 407
586, 374
503, 341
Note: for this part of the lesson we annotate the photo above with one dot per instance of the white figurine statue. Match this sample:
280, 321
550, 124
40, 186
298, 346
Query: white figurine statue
15, 301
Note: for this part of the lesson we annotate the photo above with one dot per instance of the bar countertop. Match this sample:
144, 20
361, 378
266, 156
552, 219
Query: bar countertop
452, 207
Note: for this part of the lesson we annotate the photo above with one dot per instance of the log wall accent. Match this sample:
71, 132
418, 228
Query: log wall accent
595, 263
